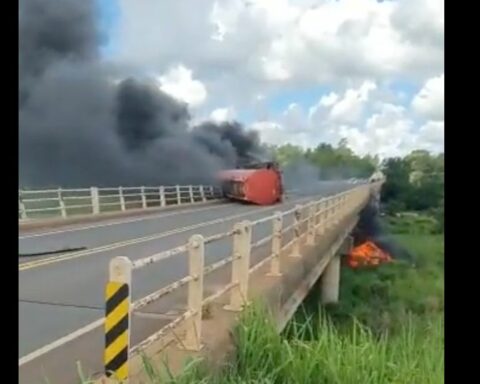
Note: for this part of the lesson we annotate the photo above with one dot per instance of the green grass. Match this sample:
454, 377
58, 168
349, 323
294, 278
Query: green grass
318, 352
413, 224
387, 328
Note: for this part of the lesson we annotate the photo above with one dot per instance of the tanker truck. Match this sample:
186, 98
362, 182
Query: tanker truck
256, 183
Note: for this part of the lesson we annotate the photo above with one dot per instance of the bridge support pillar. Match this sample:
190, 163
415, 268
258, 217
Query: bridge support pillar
330, 281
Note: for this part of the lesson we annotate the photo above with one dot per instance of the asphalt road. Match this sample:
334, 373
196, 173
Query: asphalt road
61, 293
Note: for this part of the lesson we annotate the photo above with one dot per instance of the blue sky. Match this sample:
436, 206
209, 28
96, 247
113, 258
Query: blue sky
399, 88
108, 16
305, 97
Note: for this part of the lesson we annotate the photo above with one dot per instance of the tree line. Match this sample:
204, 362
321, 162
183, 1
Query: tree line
414, 182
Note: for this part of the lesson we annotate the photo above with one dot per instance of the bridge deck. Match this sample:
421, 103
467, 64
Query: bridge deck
61, 293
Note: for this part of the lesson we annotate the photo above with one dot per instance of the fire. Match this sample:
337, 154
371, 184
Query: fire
367, 254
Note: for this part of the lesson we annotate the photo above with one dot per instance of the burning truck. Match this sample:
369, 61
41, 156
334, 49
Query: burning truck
257, 183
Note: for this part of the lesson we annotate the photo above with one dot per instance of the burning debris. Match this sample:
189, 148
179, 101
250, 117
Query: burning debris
79, 128
367, 254
372, 245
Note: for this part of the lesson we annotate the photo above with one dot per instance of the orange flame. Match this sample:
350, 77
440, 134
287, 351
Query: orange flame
367, 254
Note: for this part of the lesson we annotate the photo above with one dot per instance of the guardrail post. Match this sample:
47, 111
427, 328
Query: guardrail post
327, 208
144, 198
190, 191
161, 192
344, 205
240, 266
202, 193
122, 198
196, 248
349, 203
95, 200
336, 210
276, 244
21, 206
297, 217
117, 319
179, 196
61, 203
321, 217
311, 225
340, 206
318, 215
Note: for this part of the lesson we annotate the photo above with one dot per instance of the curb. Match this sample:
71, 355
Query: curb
25, 227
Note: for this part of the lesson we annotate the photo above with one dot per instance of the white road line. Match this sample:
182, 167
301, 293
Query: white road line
97, 323
59, 342
55, 259
108, 224
133, 220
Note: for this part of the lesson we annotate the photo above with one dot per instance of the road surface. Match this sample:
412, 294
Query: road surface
60, 293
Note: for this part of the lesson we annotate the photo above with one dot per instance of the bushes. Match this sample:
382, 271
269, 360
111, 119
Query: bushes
388, 328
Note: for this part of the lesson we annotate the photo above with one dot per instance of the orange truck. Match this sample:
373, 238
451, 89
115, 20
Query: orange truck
259, 183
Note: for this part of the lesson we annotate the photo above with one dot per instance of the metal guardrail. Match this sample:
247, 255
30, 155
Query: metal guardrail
69, 202
309, 221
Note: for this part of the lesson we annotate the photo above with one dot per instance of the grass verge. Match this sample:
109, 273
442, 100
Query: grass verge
388, 328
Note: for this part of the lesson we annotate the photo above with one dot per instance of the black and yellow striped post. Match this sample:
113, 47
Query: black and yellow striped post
117, 319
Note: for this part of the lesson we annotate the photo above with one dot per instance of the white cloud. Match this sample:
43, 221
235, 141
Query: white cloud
429, 102
223, 114
178, 82
274, 133
274, 69
346, 109
433, 135
329, 100
349, 109
239, 49
388, 132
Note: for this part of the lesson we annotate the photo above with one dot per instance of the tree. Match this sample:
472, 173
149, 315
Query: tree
415, 182
288, 153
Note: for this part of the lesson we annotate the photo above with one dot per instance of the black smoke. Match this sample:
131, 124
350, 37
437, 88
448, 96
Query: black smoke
369, 228
79, 127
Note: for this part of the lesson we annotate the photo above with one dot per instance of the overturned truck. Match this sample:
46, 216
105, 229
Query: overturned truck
259, 183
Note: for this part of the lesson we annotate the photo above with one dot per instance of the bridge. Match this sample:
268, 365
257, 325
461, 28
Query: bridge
190, 262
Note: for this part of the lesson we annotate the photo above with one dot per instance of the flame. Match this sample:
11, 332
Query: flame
367, 254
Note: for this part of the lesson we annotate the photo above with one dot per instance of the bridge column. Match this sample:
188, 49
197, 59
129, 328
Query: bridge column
330, 280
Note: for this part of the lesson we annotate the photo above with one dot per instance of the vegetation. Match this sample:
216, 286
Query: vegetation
415, 183
338, 162
388, 327
389, 324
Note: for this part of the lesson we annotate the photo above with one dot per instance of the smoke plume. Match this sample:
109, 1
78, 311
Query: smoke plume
370, 228
300, 174
80, 128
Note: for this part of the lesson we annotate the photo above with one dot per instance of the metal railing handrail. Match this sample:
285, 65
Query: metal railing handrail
309, 221
66, 202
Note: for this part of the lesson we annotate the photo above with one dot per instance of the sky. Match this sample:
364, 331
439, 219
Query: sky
298, 71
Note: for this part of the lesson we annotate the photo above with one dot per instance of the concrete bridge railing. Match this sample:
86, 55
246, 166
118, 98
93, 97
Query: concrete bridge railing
61, 202
290, 231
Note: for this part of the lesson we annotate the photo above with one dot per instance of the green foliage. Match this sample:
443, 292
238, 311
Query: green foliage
287, 154
332, 162
415, 183
388, 327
